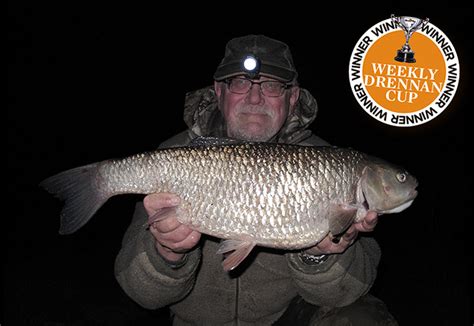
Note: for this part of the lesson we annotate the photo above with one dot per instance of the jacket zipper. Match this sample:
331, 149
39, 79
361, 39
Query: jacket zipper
236, 308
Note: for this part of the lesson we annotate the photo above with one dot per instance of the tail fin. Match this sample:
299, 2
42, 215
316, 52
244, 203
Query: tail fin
79, 189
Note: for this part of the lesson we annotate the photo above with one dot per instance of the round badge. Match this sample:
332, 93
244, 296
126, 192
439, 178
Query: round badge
404, 71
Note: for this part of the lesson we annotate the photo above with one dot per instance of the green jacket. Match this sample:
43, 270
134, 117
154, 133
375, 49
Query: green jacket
200, 292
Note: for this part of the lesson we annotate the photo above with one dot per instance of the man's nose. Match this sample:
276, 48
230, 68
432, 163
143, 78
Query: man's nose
255, 95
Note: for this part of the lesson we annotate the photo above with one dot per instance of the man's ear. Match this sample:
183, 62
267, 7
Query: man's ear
218, 88
294, 96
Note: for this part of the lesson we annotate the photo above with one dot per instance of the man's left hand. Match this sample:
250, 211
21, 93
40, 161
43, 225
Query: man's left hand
332, 245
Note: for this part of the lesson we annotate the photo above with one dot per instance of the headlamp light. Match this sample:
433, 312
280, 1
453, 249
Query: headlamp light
251, 66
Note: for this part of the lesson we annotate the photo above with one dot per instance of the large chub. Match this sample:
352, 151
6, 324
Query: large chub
265, 194
79, 188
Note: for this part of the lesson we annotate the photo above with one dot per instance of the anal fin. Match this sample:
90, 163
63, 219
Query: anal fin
240, 250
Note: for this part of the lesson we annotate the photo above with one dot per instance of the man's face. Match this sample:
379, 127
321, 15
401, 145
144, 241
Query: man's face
254, 116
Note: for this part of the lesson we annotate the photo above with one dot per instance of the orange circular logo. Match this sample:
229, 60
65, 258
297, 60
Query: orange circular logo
404, 71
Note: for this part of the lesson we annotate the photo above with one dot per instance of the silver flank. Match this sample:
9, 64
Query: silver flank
277, 196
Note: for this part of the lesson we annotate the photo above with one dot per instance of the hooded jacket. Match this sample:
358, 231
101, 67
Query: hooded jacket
199, 292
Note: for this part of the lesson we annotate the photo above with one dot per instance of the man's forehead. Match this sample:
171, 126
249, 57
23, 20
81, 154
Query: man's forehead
261, 77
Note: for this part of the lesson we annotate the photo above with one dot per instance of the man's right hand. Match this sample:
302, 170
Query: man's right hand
173, 239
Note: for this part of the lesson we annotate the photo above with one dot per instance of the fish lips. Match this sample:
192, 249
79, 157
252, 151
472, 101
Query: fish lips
407, 203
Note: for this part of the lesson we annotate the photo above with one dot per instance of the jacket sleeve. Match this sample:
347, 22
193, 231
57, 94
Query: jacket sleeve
144, 275
341, 279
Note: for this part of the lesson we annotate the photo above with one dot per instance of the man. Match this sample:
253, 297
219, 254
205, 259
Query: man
255, 97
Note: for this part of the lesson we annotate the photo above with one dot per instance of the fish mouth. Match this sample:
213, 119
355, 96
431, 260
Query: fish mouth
413, 194
407, 203
399, 208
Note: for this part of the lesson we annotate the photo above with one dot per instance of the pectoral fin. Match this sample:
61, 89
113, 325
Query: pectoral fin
160, 215
240, 250
341, 217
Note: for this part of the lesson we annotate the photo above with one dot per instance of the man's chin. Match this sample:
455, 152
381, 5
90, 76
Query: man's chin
252, 132
255, 138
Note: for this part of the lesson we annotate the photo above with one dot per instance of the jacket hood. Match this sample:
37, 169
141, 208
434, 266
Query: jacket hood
203, 117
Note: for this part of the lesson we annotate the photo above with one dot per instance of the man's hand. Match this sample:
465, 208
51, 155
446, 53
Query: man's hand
331, 245
173, 239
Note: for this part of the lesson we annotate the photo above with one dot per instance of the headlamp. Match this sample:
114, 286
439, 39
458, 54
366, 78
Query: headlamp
251, 66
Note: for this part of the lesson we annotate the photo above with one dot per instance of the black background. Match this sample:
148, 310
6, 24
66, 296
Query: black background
88, 82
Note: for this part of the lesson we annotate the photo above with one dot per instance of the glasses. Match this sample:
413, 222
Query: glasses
268, 88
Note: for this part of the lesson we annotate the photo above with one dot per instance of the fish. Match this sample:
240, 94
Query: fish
246, 193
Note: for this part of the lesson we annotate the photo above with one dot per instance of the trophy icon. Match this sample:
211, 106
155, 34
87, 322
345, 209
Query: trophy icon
409, 25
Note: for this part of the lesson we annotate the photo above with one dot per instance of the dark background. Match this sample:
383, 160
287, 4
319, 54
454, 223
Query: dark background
88, 82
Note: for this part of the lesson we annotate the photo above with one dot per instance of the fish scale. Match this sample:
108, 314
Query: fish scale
274, 195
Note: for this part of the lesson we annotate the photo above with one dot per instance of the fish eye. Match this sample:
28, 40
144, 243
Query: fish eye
401, 177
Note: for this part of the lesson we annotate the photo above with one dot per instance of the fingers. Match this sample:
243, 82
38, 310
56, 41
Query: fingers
329, 245
344, 242
157, 201
189, 242
336, 245
174, 249
165, 220
180, 240
368, 223
172, 237
350, 235
161, 209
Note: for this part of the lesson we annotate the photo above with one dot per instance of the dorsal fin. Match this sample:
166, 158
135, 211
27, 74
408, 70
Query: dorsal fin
213, 141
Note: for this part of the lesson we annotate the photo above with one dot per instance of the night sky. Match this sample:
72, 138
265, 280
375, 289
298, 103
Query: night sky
88, 82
